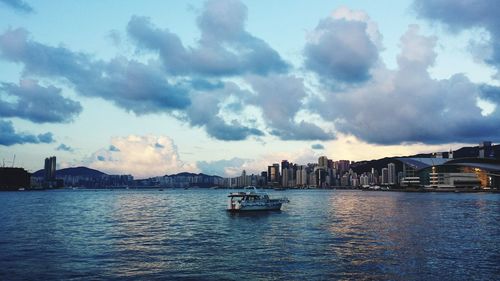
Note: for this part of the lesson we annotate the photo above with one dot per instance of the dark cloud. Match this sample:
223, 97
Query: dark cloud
225, 48
36, 103
491, 93
132, 85
9, 136
317, 146
18, 5
219, 167
408, 105
341, 50
232, 131
461, 15
46, 138
113, 148
63, 147
205, 85
280, 98
205, 111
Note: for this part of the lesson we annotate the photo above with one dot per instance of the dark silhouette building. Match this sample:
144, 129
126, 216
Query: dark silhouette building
50, 168
14, 178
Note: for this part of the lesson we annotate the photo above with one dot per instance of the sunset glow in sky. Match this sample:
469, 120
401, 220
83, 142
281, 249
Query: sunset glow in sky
150, 88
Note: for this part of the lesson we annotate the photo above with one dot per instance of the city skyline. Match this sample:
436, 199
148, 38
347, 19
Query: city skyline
218, 87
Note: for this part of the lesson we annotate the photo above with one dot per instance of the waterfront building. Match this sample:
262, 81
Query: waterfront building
301, 176
391, 174
411, 182
320, 176
451, 173
50, 168
485, 150
323, 162
284, 165
273, 174
354, 182
364, 180
385, 176
284, 177
263, 179
14, 178
342, 166
344, 180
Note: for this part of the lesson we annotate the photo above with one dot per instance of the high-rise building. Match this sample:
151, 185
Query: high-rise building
284, 177
391, 177
301, 176
273, 174
323, 161
284, 165
50, 168
343, 166
385, 176
485, 150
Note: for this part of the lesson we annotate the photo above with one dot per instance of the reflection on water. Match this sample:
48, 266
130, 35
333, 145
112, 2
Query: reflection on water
187, 234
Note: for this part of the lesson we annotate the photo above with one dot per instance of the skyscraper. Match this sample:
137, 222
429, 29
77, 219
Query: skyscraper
273, 174
391, 177
385, 176
323, 161
50, 168
301, 176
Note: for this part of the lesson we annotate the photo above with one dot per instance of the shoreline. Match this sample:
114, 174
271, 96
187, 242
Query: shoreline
158, 188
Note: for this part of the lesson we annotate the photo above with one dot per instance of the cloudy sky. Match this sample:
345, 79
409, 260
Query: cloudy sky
158, 87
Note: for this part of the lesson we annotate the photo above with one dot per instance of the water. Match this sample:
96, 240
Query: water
187, 235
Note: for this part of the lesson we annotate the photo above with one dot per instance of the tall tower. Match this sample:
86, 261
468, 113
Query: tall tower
49, 168
53, 168
323, 161
391, 176
385, 176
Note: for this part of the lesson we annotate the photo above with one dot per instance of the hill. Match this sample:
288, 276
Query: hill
77, 171
378, 164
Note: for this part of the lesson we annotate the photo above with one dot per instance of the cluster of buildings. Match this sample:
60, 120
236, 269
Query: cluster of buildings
476, 169
435, 173
75, 177
326, 173
13, 178
182, 180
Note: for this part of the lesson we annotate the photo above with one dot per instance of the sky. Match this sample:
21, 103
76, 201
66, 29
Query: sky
150, 88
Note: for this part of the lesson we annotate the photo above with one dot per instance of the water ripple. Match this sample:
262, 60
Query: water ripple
187, 235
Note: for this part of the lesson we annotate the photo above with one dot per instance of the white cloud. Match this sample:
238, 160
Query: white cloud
141, 156
259, 164
344, 12
351, 148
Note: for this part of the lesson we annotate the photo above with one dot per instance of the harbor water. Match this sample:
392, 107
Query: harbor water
187, 235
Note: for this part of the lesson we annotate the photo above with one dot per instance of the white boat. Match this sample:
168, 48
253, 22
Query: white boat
253, 200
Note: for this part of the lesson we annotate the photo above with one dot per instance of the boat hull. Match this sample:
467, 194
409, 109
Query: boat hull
274, 207
256, 207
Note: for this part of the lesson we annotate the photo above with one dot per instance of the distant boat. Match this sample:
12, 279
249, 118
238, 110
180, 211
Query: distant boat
21, 189
280, 188
253, 200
